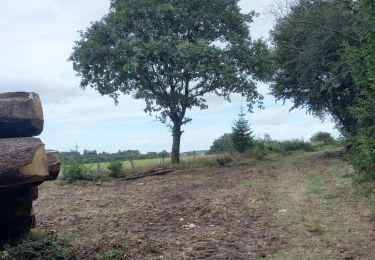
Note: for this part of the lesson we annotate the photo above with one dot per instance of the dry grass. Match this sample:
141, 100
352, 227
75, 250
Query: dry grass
318, 214
300, 206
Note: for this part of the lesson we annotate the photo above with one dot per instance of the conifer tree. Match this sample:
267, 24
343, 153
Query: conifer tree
241, 133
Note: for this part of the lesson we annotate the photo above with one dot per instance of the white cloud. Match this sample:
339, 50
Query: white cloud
37, 38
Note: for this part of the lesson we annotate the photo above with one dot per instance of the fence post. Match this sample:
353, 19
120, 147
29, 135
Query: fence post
98, 170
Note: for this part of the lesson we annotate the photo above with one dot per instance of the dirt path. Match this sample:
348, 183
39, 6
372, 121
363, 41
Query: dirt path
318, 215
198, 214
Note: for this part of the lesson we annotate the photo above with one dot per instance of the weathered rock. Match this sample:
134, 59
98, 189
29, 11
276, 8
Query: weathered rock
21, 115
54, 164
22, 161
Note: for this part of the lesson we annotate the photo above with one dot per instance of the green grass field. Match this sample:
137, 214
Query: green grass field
155, 163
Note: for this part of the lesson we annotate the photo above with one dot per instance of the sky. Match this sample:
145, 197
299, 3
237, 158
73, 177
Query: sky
35, 42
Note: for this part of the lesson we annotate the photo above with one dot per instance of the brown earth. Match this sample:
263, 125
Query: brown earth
302, 206
195, 214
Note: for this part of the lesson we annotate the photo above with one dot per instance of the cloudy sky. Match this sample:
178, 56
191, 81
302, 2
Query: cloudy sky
37, 38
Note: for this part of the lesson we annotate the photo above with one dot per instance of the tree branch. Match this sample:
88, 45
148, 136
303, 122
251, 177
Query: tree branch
325, 28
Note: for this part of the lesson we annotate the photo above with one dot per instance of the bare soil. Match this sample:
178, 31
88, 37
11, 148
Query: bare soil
302, 206
195, 214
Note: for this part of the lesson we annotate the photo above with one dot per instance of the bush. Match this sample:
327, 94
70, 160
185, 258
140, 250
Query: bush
115, 169
296, 145
267, 145
223, 144
362, 156
224, 160
323, 137
38, 245
75, 170
258, 151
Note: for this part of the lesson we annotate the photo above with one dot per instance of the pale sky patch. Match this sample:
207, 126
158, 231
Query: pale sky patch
36, 40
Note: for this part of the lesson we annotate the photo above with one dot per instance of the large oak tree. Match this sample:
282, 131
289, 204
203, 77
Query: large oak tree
171, 53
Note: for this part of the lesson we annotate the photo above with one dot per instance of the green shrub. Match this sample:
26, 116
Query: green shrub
224, 160
282, 147
266, 145
115, 169
75, 170
323, 137
38, 245
296, 145
258, 151
112, 255
223, 144
362, 156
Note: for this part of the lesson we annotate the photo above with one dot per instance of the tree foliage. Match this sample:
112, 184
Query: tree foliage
362, 61
325, 58
95, 157
323, 137
171, 53
241, 133
222, 144
309, 56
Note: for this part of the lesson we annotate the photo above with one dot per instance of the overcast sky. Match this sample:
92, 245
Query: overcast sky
37, 38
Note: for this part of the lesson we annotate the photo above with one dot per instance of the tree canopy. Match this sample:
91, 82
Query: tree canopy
310, 41
325, 60
362, 62
171, 53
222, 144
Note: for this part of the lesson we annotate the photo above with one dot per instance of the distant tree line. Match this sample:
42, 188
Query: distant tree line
226, 144
92, 156
241, 140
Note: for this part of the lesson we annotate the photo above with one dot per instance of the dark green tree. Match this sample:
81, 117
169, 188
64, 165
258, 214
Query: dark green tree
325, 59
311, 69
362, 62
241, 133
222, 144
163, 154
171, 53
324, 137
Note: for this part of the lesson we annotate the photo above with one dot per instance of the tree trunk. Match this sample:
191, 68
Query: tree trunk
176, 133
21, 115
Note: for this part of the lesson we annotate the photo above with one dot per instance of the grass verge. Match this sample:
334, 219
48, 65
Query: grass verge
320, 214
